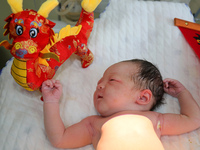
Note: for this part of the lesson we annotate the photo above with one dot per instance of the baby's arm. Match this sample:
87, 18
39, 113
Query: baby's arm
189, 117
61, 137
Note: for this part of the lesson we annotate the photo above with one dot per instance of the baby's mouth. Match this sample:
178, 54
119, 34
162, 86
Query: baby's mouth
99, 96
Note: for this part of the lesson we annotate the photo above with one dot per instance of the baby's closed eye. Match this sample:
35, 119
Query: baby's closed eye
112, 80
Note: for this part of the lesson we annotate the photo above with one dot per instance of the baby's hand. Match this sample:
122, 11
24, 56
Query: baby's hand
51, 90
173, 87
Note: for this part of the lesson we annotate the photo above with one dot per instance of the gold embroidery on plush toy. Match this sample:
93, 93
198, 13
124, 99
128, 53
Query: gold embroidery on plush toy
30, 70
18, 71
32, 49
32, 13
75, 43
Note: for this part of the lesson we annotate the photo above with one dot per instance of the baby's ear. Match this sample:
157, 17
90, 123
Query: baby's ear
145, 97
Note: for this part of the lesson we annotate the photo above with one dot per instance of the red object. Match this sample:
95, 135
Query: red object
191, 32
38, 53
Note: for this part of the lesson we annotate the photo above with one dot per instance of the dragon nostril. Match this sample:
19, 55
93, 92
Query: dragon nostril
32, 49
18, 45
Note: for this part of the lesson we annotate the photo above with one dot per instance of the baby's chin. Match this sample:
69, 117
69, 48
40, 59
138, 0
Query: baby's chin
101, 112
105, 114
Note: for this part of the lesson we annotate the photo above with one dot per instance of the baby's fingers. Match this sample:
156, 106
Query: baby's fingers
57, 84
166, 83
169, 82
47, 84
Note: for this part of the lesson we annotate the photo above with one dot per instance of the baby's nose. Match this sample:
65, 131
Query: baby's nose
100, 86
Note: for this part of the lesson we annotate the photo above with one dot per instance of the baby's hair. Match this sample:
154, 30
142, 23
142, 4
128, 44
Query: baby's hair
149, 77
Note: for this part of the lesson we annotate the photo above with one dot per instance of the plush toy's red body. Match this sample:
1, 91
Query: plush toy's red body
38, 52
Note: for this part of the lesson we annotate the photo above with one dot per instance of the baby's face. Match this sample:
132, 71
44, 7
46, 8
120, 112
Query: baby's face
115, 91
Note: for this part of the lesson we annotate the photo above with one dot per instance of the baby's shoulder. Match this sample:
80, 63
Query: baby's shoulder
151, 115
155, 117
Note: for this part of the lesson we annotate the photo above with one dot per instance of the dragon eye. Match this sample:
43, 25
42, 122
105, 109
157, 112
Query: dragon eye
33, 32
19, 30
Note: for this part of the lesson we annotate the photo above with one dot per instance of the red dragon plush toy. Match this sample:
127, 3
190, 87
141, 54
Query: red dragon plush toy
37, 51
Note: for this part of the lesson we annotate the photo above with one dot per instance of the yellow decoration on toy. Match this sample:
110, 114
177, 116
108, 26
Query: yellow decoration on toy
47, 7
19, 73
32, 49
43, 62
90, 5
68, 31
16, 5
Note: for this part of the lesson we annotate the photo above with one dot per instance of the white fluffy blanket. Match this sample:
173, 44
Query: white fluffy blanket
127, 29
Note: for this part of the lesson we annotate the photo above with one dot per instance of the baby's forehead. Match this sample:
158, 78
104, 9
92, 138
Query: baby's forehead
130, 65
122, 68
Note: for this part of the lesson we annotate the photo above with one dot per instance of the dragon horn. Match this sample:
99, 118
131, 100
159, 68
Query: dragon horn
16, 5
47, 7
